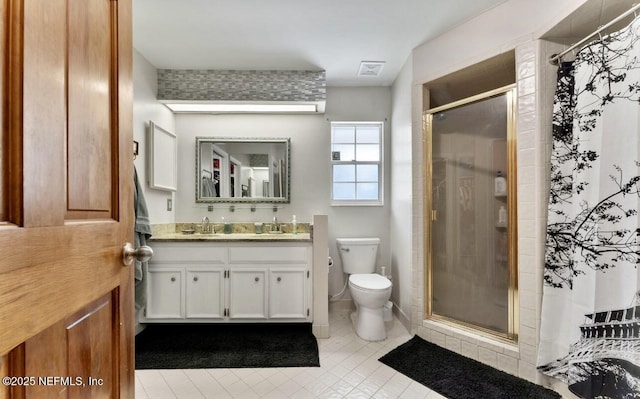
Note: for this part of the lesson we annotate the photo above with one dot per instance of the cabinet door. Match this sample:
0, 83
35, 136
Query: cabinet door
248, 293
164, 294
205, 292
288, 293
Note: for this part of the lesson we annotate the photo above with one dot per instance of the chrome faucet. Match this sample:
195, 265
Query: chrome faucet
207, 228
275, 226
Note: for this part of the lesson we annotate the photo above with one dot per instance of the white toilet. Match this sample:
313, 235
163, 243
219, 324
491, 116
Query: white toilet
370, 291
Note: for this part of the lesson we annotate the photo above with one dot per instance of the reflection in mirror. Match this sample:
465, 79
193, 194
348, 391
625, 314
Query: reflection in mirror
242, 169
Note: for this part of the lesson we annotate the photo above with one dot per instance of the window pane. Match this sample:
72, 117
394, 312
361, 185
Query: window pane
342, 173
367, 152
344, 134
347, 152
344, 191
368, 173
368, 134
367, 191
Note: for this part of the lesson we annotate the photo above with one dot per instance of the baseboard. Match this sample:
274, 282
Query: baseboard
320, 331
402, 317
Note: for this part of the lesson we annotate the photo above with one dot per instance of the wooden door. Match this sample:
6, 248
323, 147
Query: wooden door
66, 194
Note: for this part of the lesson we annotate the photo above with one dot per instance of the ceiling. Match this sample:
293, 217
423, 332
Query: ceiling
330, 35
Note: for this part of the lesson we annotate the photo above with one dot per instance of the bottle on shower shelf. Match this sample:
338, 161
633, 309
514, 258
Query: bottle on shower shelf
500, 184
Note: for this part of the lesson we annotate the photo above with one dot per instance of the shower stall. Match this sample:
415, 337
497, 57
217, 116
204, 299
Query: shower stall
470, 211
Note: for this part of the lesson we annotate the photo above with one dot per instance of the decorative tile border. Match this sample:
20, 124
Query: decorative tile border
238, 85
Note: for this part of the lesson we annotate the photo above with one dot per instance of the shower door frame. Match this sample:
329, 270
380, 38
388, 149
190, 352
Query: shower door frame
512, 240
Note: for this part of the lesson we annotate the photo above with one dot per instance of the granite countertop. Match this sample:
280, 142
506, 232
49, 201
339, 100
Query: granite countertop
233, 237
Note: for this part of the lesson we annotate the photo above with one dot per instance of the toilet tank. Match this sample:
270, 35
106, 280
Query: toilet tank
358, 255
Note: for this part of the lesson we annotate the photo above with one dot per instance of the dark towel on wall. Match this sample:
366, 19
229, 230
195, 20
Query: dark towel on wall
142, 232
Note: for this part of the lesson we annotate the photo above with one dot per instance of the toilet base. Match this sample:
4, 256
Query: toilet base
369, 324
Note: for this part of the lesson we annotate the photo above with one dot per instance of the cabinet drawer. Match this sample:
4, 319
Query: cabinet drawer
269, 254
189, 253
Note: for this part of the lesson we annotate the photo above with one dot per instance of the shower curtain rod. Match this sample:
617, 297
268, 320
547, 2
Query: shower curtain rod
554, 59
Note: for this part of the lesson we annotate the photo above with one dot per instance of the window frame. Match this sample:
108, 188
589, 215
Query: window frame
379, 163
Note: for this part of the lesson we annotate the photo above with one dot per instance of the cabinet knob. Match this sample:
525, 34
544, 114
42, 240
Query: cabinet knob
279, 279
173, 279
257, 279
195, 278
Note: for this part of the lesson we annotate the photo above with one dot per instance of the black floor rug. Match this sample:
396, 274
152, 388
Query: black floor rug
189, 346
458, 377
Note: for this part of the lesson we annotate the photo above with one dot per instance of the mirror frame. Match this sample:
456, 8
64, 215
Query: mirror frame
212, 200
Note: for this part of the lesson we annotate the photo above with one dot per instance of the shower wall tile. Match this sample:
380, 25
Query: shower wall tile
526, 122
527, 282
526, 103
507, 364
526, 68
469, 350
528, 334
528, 301
527, 371
526, 141
525, 52
526, 85
439, 339
528, 353
487, 356
526, 157
528, 318
526, 172
453, 344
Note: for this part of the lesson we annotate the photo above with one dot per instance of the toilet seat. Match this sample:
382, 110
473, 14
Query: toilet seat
370, 282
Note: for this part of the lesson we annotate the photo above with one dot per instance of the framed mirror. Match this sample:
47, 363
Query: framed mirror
242, 169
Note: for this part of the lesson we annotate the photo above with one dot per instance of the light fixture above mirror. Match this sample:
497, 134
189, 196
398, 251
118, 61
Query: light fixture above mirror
244, 107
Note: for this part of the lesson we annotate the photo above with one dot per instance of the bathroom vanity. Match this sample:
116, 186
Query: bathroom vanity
230, 278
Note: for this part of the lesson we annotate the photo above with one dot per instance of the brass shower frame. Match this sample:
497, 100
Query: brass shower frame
512, 237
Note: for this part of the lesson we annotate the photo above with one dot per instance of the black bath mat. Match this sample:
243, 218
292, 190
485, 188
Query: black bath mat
458, 377
189, 346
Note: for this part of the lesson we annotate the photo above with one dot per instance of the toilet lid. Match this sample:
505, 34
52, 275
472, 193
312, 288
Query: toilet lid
370, 281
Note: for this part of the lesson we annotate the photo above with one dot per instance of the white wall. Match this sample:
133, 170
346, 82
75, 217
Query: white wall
401, 194
146, 108
310, 168
513, 25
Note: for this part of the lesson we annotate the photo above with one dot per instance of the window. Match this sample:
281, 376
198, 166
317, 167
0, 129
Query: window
356, 163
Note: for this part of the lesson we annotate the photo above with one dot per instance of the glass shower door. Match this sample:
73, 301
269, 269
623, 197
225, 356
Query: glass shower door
472, 259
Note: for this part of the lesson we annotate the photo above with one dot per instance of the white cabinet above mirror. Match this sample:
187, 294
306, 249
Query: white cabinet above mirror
242, 169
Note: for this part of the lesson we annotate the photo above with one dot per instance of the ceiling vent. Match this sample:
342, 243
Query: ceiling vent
370, 68
242, 91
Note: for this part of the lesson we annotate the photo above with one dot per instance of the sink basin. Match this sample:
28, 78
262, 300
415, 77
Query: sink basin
275, 231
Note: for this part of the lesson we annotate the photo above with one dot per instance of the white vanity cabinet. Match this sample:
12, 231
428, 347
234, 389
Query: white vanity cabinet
165, 292
204, 295
209, 281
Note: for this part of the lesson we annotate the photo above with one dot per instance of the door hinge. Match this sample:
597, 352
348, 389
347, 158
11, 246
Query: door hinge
307, 273
226, 312
226, 274
308, 312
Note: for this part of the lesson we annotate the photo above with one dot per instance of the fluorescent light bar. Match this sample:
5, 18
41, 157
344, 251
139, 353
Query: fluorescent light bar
238, 107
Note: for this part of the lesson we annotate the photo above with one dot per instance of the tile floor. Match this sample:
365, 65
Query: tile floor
349, 369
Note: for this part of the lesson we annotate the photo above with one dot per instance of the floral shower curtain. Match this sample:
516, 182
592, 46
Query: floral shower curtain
590, 322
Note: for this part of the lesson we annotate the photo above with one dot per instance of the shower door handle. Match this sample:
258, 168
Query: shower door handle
434, 215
